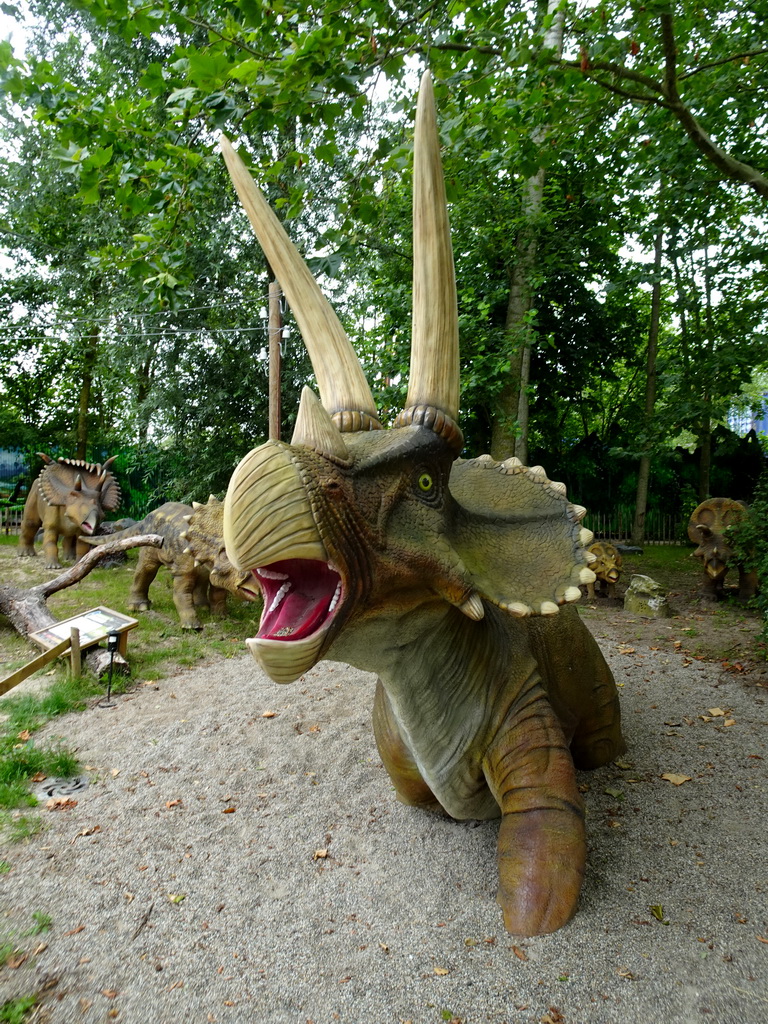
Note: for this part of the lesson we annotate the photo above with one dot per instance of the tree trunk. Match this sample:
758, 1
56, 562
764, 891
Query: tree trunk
644, 468
509, 434
89, 362
705, 458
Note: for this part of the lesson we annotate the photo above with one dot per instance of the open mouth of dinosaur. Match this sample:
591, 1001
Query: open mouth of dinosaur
300, 598
86, 527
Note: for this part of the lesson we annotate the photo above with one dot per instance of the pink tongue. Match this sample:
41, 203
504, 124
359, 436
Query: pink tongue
304, 609
86, 527
298, 616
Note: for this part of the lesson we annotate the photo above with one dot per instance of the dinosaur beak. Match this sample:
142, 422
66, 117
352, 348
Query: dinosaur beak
270, 531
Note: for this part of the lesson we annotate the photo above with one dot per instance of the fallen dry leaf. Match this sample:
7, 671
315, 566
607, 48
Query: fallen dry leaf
110, 993
25, 734
319, 855
716, 712
16, 959
676, 780
228, 810
268, 714
761, 938
80, 928
519, 953
172, 803
61, 803
729, 721
442, 971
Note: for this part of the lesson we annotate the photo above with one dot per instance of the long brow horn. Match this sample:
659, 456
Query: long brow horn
340, 379
434, 372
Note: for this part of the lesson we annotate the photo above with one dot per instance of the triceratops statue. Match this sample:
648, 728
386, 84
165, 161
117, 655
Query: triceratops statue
380, 548
69, 500
707, 529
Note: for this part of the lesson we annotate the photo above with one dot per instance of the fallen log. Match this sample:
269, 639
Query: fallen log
27, 611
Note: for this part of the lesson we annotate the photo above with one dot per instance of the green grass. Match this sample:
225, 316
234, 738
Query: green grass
156, 648
15, 1011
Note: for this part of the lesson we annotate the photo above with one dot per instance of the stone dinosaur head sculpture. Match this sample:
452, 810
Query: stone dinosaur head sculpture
351, 522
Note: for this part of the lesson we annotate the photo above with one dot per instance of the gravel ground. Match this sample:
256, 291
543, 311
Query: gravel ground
237, 855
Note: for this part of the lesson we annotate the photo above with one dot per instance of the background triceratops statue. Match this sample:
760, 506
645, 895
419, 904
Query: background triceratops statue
707, 529
380, 548
193, 552
606, 567
69, 500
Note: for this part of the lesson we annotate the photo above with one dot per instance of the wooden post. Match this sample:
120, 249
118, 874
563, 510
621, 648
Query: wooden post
275, 337
32, 666
74, 654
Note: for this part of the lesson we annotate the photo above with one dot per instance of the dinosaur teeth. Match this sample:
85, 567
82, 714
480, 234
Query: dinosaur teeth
279, 597
473, 607
269, 574
335, 598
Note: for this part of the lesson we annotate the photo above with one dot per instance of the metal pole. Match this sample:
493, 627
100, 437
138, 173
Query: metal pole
275, 337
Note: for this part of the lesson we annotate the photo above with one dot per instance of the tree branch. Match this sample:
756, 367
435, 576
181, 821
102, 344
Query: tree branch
83, 566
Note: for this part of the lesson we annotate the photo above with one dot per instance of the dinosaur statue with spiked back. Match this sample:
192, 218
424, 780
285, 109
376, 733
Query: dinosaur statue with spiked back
380, 548
69, 500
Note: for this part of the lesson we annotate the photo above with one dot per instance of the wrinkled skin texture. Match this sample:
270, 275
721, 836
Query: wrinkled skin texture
607, 568
193, 552
69, 500
707, 529
479, 717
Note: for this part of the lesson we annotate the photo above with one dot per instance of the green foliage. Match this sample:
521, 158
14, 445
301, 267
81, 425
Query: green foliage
750, 547
137, 290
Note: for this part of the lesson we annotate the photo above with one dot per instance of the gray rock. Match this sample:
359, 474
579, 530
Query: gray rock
644, 596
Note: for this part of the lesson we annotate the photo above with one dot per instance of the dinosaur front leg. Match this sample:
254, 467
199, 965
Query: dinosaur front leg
184, 590
51, 547
397, 757
542, 844
218, 601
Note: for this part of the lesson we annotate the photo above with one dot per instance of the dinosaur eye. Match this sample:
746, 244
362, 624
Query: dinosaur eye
425, 482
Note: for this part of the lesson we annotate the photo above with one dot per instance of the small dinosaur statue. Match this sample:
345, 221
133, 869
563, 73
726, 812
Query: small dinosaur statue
449, 578
606, 567
193, 552
707, 529
69, 499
